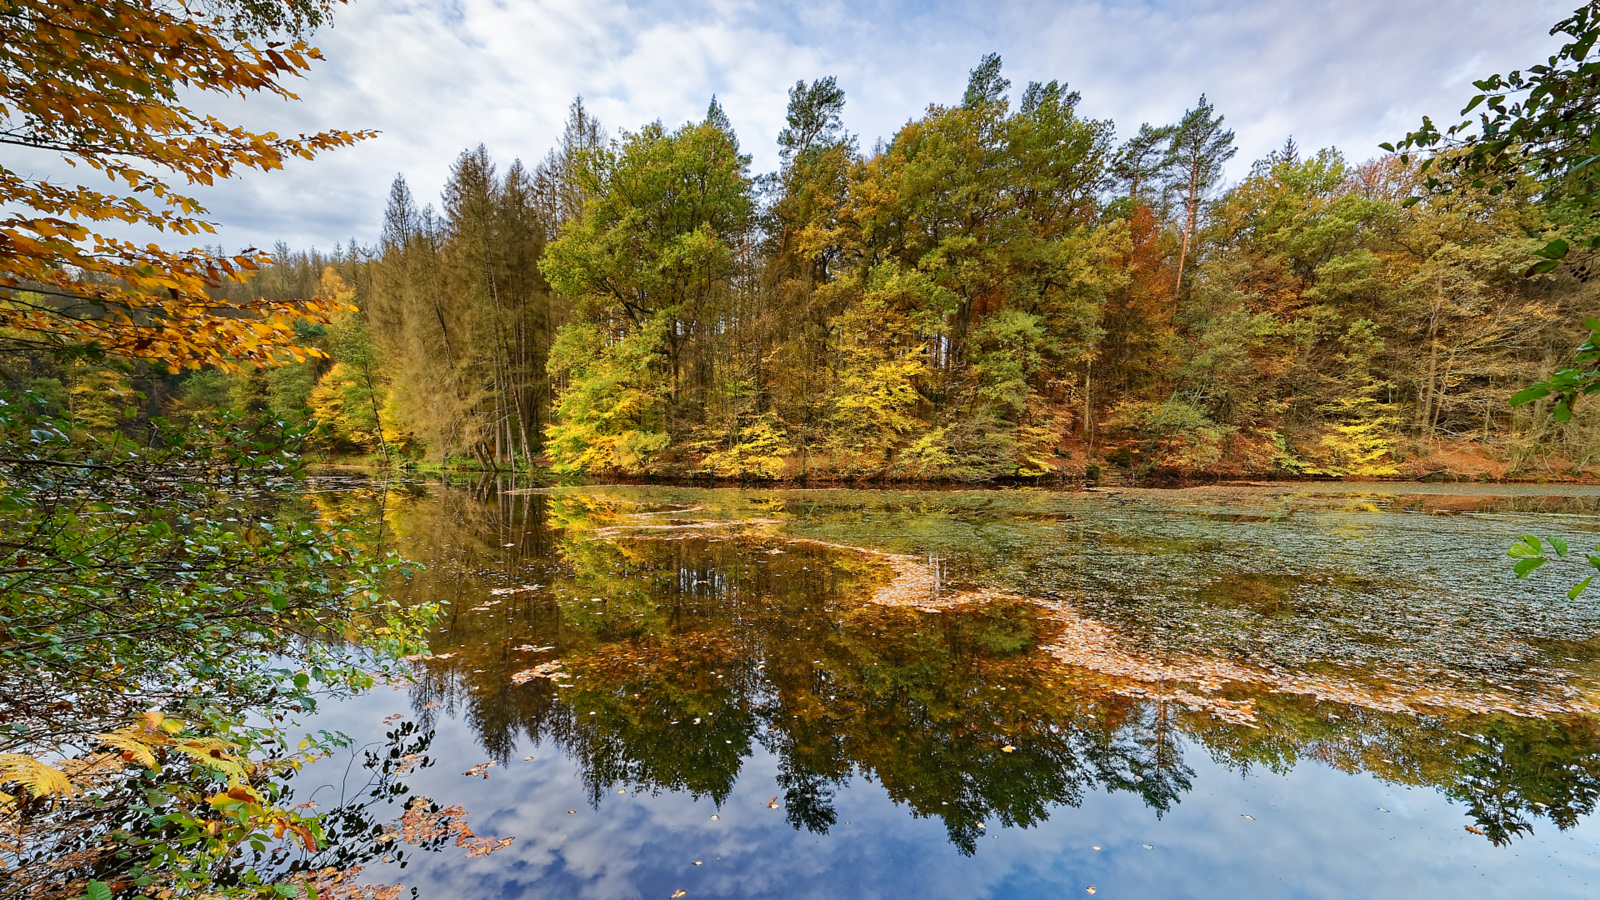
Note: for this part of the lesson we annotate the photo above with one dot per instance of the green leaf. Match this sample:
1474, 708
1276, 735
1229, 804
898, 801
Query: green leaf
1580, 587
1556, 249
1529, 394
98, 890
1526, 566
1559, 544
1525, 546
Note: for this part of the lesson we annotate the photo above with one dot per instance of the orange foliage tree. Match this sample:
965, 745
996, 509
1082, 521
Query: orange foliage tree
100, 82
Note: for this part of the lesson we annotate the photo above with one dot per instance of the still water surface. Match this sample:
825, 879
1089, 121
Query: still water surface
1306, 691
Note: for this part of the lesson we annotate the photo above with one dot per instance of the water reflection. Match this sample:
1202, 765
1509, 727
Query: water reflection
685, 651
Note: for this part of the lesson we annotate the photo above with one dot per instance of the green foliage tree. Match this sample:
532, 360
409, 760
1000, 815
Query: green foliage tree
648, 266
173, 574
1537, 122
992, 290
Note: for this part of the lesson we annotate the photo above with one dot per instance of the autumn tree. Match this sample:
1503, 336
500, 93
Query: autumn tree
969, 273
1535, 128
103, 85
648, 267
168, 574
462, 314
349, 397
973, 298
804, 253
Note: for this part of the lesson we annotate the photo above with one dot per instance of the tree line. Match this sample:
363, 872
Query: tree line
998, 291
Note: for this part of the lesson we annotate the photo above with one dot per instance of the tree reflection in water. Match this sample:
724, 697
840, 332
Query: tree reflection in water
682, 649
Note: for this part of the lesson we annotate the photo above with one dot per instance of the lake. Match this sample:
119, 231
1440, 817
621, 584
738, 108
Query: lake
1285, 691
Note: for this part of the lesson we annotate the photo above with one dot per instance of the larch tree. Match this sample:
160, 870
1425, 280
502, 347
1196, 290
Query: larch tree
462, 312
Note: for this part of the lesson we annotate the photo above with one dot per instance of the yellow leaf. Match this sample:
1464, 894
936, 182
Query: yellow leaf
37, 778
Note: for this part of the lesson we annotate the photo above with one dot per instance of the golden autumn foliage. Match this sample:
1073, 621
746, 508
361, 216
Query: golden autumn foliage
144, 743
99, 82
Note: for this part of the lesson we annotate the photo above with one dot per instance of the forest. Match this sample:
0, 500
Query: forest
1004, 290
999, 291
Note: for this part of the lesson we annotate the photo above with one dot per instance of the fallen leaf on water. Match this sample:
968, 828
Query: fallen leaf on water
713, 817
550, 670
698, 862
1381, 809
773, 803
424, 657
1090, 889
1007, 749
481, 770
1096, 847
484, 846
679, 893
527, 759
1474, 830
572, 812
1149, 846
1249, 817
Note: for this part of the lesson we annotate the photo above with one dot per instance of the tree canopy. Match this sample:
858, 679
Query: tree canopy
1002, 288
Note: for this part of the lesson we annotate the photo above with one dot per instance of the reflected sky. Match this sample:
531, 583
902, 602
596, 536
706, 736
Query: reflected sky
711, 665
1316, 833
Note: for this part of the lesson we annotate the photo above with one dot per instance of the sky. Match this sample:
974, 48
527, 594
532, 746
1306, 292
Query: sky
436, 77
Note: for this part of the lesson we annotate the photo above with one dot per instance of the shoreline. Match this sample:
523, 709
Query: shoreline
1114, 482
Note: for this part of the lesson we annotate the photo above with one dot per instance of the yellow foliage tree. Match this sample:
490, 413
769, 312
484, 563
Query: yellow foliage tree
100, 82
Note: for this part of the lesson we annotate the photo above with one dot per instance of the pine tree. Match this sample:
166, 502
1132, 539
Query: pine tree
1198, 151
